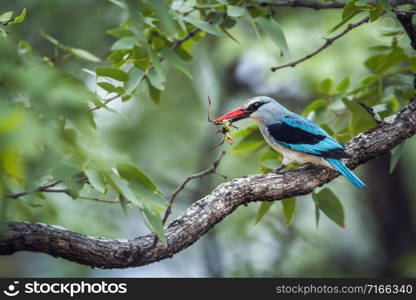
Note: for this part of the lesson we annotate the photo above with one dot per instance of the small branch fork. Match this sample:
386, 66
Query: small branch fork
305, 4
372, 112
105, 102
42, 188
46, 188
328, 42
209, 171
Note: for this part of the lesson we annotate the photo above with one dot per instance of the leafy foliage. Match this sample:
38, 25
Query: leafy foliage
47, 126
327, 202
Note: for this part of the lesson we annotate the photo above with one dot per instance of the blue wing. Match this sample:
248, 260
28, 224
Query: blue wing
300, 134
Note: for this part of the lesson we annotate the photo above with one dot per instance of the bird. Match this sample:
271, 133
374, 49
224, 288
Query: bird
295, 137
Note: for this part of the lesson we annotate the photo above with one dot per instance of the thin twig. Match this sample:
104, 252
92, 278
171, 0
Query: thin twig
371, 111
105, 102
184, 39
405, 19
100, 200
300, 3
64, 191
327, 43
41, 188
46, 188
211, 170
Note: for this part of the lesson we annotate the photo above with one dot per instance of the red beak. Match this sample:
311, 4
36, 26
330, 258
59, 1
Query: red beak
231, 115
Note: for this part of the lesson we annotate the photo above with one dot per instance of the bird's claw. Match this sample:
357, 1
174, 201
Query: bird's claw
277, 170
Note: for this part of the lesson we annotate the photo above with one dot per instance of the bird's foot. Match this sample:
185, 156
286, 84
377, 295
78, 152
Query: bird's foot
277, 170
307, 165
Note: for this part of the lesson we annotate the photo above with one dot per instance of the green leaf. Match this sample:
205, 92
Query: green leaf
395, 155
348, 8
81, 53
154, 222
343, 85
289, 207
235, 11
111, 88
150, 198
376, 12
130, 172
269, 154
120, 32
74, 188
121, 187
245, 131
344, 21
263, 209
154, 80
361, 119
249, 143
123, 203
379, 63
369, 79
204, 26
269, 160
315, 106
386, 4
349, 11
229, 23
327, 128
229, 34
124, 43
95, 178
330, 205
156, 62
325, 86
176, 62
4, 17
135, 77
273, 29
19, 19
167, 22
154, 94
271, 164
116, 74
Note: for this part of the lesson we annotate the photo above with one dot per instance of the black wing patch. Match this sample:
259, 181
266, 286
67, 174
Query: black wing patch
335, 153
292, 135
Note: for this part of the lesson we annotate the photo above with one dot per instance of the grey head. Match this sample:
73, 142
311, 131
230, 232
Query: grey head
265, 109
262, 109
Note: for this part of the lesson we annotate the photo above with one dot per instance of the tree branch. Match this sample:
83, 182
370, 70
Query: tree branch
327, 43
41, 188
46, 188
405, 18
211, 170
304, 4
202, 216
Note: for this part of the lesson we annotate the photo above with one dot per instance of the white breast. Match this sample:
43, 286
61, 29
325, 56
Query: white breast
291, 155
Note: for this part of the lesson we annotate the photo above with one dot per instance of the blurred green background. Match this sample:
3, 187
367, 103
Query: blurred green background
170, 140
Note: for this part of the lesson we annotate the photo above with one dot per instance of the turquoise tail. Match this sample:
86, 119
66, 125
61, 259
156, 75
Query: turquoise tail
343, 169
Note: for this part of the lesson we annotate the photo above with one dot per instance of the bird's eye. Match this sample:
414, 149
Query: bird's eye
254, 106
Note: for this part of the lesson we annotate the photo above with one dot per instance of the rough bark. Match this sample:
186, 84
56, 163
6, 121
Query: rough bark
200, 217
